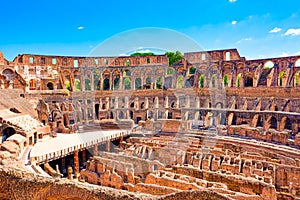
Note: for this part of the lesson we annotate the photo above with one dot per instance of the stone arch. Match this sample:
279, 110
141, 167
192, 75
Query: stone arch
50, 85
268, 65
96, 77
8, 73
7, 132
248, 80
273, 123
116, 79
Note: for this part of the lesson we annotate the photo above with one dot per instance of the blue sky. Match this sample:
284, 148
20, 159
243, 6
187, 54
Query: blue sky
265, 28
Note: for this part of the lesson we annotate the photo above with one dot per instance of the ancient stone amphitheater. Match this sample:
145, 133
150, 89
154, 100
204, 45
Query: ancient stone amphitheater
211, 126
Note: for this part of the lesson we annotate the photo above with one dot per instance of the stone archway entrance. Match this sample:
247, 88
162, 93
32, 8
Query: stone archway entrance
7, 132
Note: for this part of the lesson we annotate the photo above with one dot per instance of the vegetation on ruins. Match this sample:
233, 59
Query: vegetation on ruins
142, 54
174, 57
239, 80
226, 80
201, 81
159, 83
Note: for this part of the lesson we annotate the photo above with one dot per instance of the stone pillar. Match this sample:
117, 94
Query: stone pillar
76, 162
107, 103
156, 102
136, 103
126, 102
188, 102
108, 146
95, 150
177, 102
121, 82
116, 106
197, 102
146, 103
166, 102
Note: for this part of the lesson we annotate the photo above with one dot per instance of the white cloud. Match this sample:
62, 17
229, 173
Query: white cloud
275, 30
232, 1
244, 39
123, 54
234, 22
292, 32
284, 54
80, 27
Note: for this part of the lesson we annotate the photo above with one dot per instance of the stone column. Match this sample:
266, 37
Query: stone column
70, 173
146, 103
156, 102
126, 102
197, 102
76, 162
166, 102
116, 106
108, 146
95, 150
188, 102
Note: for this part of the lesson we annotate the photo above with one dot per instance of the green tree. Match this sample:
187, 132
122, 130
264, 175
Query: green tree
174, 57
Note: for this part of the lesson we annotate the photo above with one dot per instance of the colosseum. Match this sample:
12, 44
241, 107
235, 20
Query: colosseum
212, 125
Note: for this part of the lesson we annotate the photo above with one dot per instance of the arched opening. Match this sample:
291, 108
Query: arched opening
268, 65
281, 76
225, 80
288, 124
96, 75
142, 105
227, 56
248, 81
233, 120
50, 86
168, 82
106, 85
159, 83
132, 105
131, 114
213, 80
201, 81
189, 82
170, 115
127, 83
296, 79
180, 81
111, 115
7, 132
192, 70
148, 83
97, 110
121, 115
238, 81
138, 84
87, 84
68, 85
77, 85
170, 71
116, 82
8, 73
273, 123
260, 122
